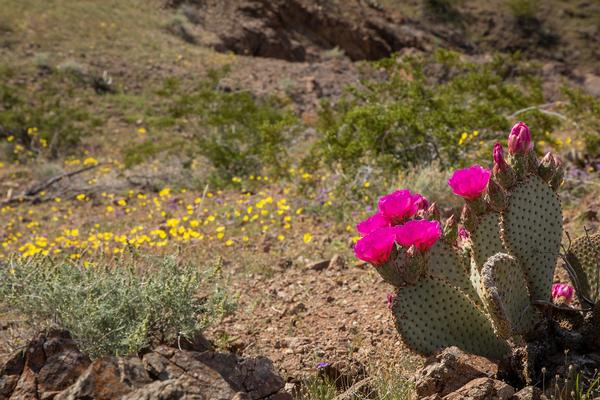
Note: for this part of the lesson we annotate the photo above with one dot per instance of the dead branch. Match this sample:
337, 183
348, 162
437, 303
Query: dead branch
31, 193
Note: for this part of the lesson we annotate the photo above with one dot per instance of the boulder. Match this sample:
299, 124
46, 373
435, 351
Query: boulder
482, 389
52, 367
449, 370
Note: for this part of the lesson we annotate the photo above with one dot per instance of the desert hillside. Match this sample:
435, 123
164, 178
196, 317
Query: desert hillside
181, 169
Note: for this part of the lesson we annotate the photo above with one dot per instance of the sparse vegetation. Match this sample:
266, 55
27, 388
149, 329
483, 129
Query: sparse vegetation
116, 309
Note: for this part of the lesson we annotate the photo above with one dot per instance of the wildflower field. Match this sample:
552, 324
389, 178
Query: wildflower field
155, 187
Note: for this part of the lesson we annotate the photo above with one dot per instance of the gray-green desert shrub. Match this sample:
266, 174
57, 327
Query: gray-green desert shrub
115, 310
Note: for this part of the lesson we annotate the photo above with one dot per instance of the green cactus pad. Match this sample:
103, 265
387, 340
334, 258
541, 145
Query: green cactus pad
434, 314
445, 263
486, 240
584, 257
507, 298
475, 278
532, 230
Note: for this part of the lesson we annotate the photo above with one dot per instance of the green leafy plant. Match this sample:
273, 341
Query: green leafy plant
41, 122
238, 133
115, 310
411, 118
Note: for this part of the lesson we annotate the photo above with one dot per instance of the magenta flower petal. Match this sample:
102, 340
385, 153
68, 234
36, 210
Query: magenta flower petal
562, 290
401, 205
470, 182
375, 248
421, 233
372, 223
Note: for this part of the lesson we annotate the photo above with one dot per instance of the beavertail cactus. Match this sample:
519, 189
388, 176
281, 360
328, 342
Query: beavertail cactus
584, 259
477, 289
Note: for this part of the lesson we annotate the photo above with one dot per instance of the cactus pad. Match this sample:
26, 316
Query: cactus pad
434, 314
584, 257
446, 264
507, 298
475, 278
532, 230
485, 239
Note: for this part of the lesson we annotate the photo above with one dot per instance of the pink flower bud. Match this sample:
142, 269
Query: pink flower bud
376, 247
372, 223
519, 139
390, 300
463, 233
401, 205
562, 292
419, 233
499, 156
470, 182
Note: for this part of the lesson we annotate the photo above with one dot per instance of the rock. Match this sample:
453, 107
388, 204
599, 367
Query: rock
204, 384
252, 375
61, 370
262, 28
529, 393
26, 387
10, 373
53, 368
451, 369
319, 265
106, 378
482, 389
591, 83
337, 262
159, 367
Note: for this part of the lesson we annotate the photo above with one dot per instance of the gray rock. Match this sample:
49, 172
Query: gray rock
450, 370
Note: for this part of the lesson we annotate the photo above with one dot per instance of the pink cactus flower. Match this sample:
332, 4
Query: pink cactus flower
562, 290
401, 205
519, 139
372, 223
420, 233
375, 248
470, 182
463, 233
499, 155
390, 300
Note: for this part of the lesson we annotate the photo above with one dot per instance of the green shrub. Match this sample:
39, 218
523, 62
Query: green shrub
411, 118
584, 109
60, 126
523, 10
115, 310
238, 133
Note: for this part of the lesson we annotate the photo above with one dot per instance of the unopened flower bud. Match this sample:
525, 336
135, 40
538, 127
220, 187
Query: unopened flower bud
519, 139
547, 167
451, 229
499, 155
468, 218
405, 267
557, 179
433, 212
505, 176
496, 196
